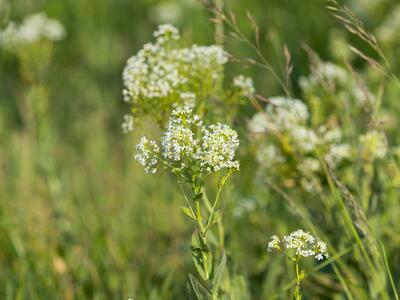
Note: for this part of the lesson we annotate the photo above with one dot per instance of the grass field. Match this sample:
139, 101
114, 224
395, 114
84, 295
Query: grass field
267, 116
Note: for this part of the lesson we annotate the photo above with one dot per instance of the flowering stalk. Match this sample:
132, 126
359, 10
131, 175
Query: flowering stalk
296, 246
192, 151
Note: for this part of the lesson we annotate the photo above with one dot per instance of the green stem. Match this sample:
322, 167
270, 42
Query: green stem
210, 218
297, 292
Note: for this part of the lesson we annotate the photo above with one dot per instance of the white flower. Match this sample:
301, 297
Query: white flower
259, 123
373, 145
33, 28
285, 113
337, 153
146, 154
165, 33
325, 73
309, 165
245, 85
305, 139
219, 144
302, 243
157, 77
274, 243
187, 143
269, 155
178, 142
127, 125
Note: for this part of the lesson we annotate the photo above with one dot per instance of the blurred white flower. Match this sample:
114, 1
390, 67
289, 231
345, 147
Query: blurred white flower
33, 28
147, 154
245, 85
374, 145
337, 153
127, 125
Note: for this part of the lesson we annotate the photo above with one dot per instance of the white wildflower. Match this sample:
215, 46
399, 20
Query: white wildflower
285, 112
159, 73
269, 155
309, 165
373, 145
32, 29
302, 243
337, 153
219, 144
188, 143
324, 73
166, 33
305, 139
245, 85
127, 125
146, 154
274, 243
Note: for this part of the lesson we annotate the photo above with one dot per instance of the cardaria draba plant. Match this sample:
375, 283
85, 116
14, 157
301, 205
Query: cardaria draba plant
192, 150
297, 246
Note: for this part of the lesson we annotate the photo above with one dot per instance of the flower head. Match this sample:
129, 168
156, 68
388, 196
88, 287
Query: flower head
127, 125
33, 28
245, 85
373, 145
302, 243
147, 154
159, 76
219, 145
188, 144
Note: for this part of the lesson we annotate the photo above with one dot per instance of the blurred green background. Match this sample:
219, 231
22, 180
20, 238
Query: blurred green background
79, 219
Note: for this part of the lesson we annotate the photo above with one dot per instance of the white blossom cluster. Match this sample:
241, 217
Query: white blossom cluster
219, 144
33, 28
337, 81
187, 143
302, 243
374, 145
160, 72
127, 125
245, 85
147, 153
286, 144
288, 119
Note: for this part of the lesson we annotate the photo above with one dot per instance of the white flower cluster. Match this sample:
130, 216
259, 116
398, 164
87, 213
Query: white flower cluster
303, 243
337, 81
33, 28
282, 135
245, 85
127, 125
187, 143
374, 145
289, 118
160, 72
146, 154
219, 144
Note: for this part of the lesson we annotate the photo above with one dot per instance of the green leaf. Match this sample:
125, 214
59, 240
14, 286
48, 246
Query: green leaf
219, 271
187, 211
202, 256
201, 292
197, 196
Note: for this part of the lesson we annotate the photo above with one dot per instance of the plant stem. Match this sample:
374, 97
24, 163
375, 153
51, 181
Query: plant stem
297, 292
